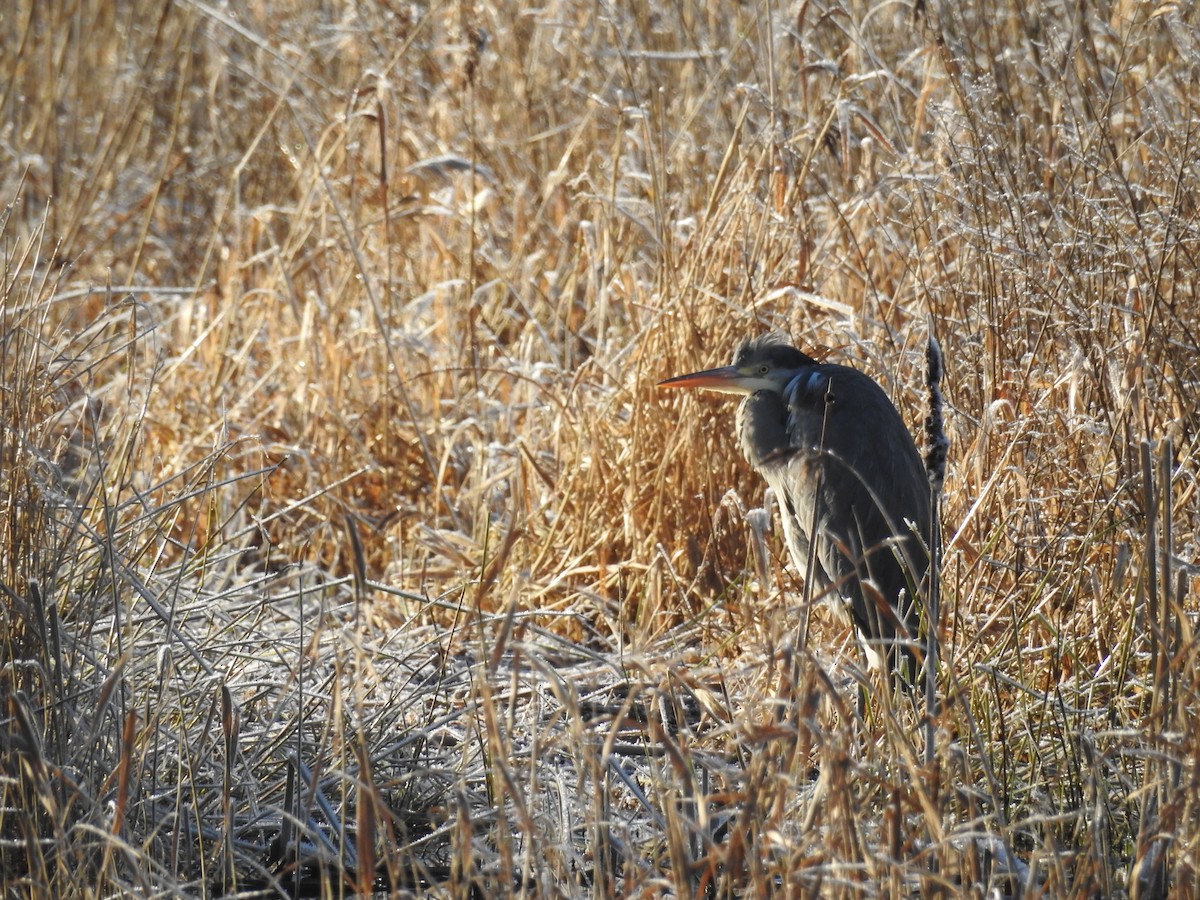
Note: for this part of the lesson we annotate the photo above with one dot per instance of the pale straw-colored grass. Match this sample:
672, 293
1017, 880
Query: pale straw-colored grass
345, 536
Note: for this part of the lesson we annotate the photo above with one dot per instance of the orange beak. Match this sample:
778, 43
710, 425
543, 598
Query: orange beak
727, 379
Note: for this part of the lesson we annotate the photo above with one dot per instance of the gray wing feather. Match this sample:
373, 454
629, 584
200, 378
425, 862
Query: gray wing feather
847, 475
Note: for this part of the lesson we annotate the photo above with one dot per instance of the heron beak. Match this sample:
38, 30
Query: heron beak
727, 379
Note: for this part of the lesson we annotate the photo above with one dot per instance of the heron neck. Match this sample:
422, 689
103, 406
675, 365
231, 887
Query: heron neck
762, 427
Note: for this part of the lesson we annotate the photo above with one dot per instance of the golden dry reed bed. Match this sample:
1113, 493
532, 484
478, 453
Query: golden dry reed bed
347, 546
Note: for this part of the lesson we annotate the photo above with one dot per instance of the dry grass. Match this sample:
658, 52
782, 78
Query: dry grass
344, 534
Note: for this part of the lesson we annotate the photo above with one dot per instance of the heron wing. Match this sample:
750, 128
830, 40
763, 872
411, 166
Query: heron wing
855, 484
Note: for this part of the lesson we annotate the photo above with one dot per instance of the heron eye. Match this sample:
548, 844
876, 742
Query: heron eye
764, 369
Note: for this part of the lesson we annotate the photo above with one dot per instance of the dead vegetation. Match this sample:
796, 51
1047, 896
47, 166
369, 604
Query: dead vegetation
347, 543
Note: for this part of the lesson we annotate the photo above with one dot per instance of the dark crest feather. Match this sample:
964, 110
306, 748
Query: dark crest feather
776, 347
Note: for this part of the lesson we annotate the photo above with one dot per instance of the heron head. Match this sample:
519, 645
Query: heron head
764, 363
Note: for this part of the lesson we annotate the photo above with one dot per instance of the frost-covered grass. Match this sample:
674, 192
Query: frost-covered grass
346, 539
